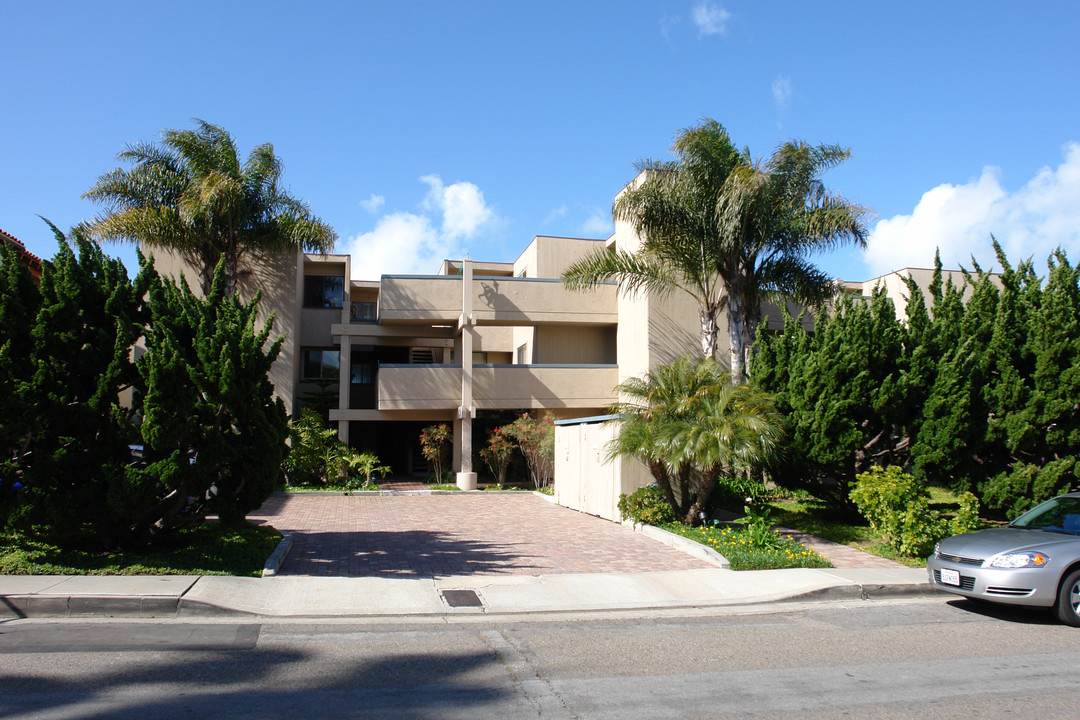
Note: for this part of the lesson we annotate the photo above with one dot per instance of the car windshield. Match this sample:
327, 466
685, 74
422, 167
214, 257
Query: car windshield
1062, 514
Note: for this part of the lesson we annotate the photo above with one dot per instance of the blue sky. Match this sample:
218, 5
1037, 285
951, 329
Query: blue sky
424, 130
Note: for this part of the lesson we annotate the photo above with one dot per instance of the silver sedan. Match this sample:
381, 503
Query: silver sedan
1034, 560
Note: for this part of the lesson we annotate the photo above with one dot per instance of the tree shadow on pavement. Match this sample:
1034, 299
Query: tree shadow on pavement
257, 684
404, 553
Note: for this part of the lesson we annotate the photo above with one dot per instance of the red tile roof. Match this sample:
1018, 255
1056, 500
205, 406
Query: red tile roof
32, 261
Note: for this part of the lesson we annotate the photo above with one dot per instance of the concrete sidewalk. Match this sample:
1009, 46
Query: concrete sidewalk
462, 554
375, 597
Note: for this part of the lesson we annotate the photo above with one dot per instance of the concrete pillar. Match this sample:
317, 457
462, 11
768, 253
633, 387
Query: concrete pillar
345, 355
466, 478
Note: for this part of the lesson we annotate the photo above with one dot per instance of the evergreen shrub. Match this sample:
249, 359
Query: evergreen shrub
898, 509
646, 505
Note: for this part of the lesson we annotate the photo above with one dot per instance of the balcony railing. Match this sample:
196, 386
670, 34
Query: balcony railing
425, 387
496, 301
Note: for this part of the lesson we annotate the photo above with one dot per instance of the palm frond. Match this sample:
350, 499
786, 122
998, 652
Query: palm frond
190, 193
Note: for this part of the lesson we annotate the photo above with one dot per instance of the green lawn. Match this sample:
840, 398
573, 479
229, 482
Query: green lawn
209, 549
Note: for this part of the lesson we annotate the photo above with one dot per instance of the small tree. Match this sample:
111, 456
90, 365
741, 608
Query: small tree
497, 454
688, 424
536, 440
434, 443
366, 464
316, 456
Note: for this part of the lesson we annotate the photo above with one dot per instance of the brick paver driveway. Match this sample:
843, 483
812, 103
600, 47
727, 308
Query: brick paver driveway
456, 534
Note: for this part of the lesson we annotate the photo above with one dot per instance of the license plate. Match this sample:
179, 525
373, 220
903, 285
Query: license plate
950, 577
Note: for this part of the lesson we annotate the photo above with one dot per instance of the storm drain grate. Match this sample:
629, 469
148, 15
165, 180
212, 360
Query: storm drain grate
462, 598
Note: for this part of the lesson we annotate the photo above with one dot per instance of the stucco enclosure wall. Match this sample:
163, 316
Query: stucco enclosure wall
583, 481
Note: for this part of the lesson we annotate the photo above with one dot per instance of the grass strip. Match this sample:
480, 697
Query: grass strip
208, 549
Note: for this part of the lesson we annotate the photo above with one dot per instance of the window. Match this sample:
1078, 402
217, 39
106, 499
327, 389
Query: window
362, 312
320, 364
323, 291
522, 354
363, 373
480, 358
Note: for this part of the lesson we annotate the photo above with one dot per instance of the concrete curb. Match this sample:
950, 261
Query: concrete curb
273, 563
87, 606
680, 543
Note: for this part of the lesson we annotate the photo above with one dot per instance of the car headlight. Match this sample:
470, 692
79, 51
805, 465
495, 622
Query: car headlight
1018, 560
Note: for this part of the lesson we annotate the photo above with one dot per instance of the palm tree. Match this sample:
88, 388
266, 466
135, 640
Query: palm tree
690, 424
729, 231
192, 195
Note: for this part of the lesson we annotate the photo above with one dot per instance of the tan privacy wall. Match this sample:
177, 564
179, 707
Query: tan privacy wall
583, 481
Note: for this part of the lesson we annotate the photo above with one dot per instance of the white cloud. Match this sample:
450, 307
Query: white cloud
598, 224
462, 205
710, 18
406, 243
781, 91
556, 214
959, 219
401, 244
373, 204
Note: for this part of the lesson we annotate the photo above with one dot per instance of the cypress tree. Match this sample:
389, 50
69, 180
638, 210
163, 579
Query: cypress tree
19, 303
212, 427
1035, 423
77, 439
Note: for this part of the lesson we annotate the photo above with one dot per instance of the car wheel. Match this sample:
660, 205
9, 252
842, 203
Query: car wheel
1068, 603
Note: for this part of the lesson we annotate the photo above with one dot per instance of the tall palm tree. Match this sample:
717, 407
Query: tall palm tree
689, 424
191, 194
729, 231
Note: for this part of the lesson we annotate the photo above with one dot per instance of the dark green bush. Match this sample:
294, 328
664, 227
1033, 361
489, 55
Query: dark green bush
646, 505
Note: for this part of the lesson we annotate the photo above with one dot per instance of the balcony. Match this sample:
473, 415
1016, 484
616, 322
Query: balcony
420, 299
497, 387
531, 301
496, 301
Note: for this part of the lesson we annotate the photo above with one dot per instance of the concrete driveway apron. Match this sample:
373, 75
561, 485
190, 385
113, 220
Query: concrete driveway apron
456, 534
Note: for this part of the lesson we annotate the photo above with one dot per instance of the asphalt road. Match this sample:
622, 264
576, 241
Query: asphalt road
935, 658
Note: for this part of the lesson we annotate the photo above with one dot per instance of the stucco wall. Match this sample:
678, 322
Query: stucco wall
276, 278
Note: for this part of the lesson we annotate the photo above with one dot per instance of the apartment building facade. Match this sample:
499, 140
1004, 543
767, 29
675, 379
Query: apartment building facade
473, 344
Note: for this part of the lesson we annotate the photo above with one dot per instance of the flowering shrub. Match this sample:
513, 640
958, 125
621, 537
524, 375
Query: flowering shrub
434, 444
497, 454
536, 440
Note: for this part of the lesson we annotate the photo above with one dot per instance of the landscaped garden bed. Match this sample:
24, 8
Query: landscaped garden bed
745, 551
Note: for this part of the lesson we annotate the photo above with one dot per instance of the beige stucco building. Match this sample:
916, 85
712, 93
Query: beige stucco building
473, 343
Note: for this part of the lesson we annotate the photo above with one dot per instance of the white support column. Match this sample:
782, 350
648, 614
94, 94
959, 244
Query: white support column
344, 385
466, 478
345, 354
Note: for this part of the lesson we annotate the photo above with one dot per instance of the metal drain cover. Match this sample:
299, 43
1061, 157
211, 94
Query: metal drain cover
462, 598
